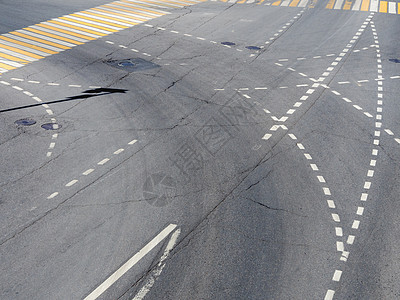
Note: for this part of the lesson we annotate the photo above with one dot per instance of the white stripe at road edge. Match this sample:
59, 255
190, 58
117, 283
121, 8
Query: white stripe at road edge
130, 263
157, 272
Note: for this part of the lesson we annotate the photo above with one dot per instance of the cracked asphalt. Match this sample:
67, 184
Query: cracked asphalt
258, 161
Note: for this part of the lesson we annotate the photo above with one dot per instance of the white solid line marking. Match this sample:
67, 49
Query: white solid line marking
132, 142
87, 172
157, 272
119, 151
130, 263
102, 162
52, 195
71, 183
337, 275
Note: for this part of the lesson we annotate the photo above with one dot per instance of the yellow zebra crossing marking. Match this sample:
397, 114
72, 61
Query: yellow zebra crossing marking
35, 42
381, 6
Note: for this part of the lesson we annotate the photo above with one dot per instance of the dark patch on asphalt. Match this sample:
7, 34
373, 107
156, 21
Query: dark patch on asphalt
25, 122
253, 48
51, 126
228, 43
132, 64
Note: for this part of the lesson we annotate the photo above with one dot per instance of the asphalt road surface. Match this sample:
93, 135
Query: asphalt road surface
199, 149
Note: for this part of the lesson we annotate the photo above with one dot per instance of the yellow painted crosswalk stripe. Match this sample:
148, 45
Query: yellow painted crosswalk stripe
88, 24
66, 31
16, 50
294, 3
13, 58
7, 67
40, 40
276, 3
166, 4
128, 8
77, 27
383, 7
53, 36
347, 5
133, 10
365, 5
98, 21
27, 45
330, 4
120, 14
109, 17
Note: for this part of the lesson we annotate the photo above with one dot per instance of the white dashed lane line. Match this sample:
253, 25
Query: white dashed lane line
322, 56
47, 109
91, 170
332, 208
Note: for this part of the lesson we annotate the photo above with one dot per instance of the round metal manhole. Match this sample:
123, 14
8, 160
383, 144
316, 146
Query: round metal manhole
228, 43
253, 48
25, 122
51, 126
395, 60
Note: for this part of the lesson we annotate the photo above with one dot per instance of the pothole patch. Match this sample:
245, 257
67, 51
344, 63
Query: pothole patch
51, 126
228, 43
253, 48
132, 64
25, 122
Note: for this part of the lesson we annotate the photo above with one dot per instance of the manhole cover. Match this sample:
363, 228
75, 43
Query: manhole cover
395, 60
51, 126
159, 189
25, 122
228, 43
253, 48
132, 64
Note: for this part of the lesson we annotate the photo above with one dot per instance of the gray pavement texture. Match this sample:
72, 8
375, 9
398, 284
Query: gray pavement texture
259, 217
